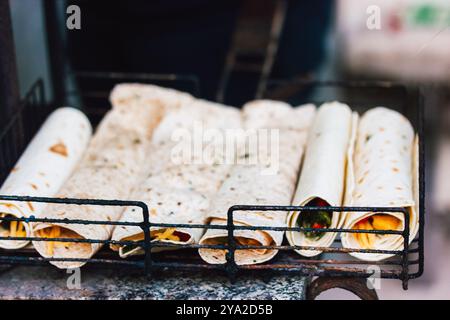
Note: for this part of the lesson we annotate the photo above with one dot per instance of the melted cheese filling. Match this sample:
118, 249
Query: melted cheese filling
12, 228
53, 232
58, 232
165, 234
162, 234
15, 228
375, 222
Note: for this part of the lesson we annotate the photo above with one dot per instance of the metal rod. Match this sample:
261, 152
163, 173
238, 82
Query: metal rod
272, 48
231, 265
147, 239
422, 177
56, 38
405, 262
9, 82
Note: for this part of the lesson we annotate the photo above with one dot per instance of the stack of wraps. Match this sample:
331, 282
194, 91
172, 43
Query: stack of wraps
110, 168
186, 166
267, 178
385, 174
42, 169
322, 180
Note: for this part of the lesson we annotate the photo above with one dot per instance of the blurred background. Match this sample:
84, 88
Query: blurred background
236, 50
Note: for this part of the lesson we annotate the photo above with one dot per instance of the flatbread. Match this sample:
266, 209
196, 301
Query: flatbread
126, 95
268, 178
323, 172
45, 165
385, 175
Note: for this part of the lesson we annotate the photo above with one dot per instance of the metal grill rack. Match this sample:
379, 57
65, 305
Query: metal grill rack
335, 262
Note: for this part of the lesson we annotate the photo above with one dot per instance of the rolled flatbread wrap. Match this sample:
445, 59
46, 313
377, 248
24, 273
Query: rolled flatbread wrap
46, 164
322, 179
178, 190
385, 175
127, 95
270, 180
109, 169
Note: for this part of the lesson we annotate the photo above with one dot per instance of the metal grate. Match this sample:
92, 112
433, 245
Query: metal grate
404, 265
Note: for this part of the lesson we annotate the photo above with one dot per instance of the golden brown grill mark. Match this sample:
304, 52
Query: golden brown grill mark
59, 148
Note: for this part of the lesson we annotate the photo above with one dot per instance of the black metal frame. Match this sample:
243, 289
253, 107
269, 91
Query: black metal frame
9, 83
399, 267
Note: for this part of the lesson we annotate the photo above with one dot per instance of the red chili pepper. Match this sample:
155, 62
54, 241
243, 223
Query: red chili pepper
363, 220
321, 203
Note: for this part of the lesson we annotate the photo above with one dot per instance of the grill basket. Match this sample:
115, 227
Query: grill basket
334, 262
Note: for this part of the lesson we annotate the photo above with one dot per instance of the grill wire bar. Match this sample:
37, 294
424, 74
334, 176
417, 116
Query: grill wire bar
407, 263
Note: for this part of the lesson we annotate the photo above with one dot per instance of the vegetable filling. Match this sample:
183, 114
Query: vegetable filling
161, 234
375, 222
315, 219
240, 241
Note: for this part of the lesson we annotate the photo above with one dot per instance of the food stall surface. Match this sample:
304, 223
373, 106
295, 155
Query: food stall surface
45, 282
